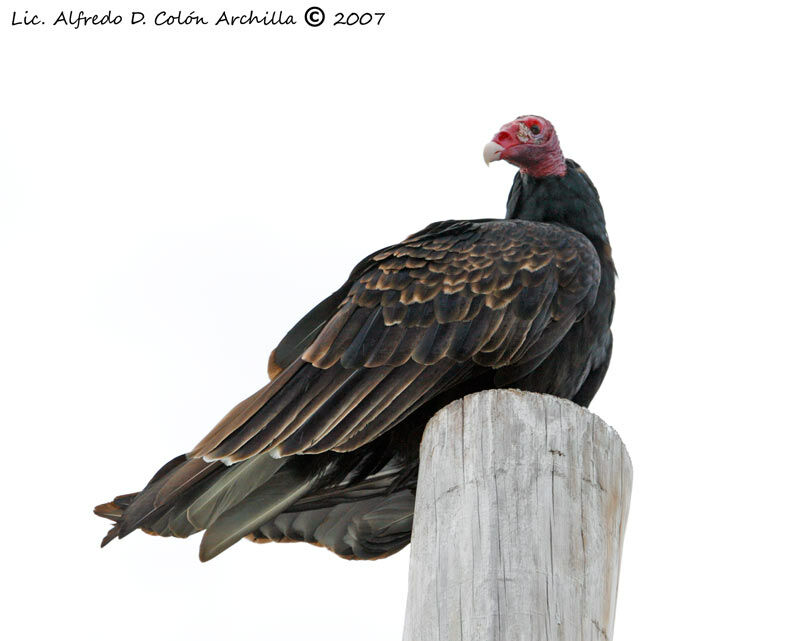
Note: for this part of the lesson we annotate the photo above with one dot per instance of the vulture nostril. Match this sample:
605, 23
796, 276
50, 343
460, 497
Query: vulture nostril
503, 136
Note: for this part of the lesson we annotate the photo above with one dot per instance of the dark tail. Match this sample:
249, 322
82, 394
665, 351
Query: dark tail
316, 499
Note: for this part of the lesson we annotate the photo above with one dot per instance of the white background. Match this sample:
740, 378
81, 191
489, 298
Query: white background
173, 199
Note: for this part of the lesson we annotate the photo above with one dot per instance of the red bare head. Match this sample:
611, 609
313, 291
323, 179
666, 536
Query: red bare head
530, 143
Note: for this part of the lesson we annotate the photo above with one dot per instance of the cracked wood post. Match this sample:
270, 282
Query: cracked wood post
520, 515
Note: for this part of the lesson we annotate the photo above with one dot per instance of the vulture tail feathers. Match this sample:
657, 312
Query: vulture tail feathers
370, 528
232, 486
261, 505
187, 499
142, 509
155, 498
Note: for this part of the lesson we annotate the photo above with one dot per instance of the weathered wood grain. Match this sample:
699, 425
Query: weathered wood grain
519, 521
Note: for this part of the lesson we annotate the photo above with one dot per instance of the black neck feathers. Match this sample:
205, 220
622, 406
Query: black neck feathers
570, 200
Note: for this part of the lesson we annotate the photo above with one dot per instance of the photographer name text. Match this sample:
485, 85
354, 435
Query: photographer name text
311, 17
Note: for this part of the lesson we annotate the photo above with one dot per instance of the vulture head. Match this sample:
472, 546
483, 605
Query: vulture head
530, 143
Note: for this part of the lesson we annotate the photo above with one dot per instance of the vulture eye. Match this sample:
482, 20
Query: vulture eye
534, 125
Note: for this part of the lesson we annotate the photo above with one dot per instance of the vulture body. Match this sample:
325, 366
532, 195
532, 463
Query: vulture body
327, 451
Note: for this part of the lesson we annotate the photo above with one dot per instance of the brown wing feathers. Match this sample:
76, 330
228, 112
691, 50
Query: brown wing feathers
412, 321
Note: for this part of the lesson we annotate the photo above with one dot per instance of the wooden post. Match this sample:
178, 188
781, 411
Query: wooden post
520, 514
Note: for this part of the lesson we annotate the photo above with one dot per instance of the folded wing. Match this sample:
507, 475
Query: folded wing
417, 318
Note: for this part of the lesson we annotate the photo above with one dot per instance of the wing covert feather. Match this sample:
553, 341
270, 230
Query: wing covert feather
412, 319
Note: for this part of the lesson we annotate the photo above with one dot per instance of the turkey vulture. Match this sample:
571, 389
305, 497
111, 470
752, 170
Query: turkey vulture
327, 451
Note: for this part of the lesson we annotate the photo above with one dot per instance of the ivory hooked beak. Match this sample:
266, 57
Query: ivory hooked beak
491, 152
